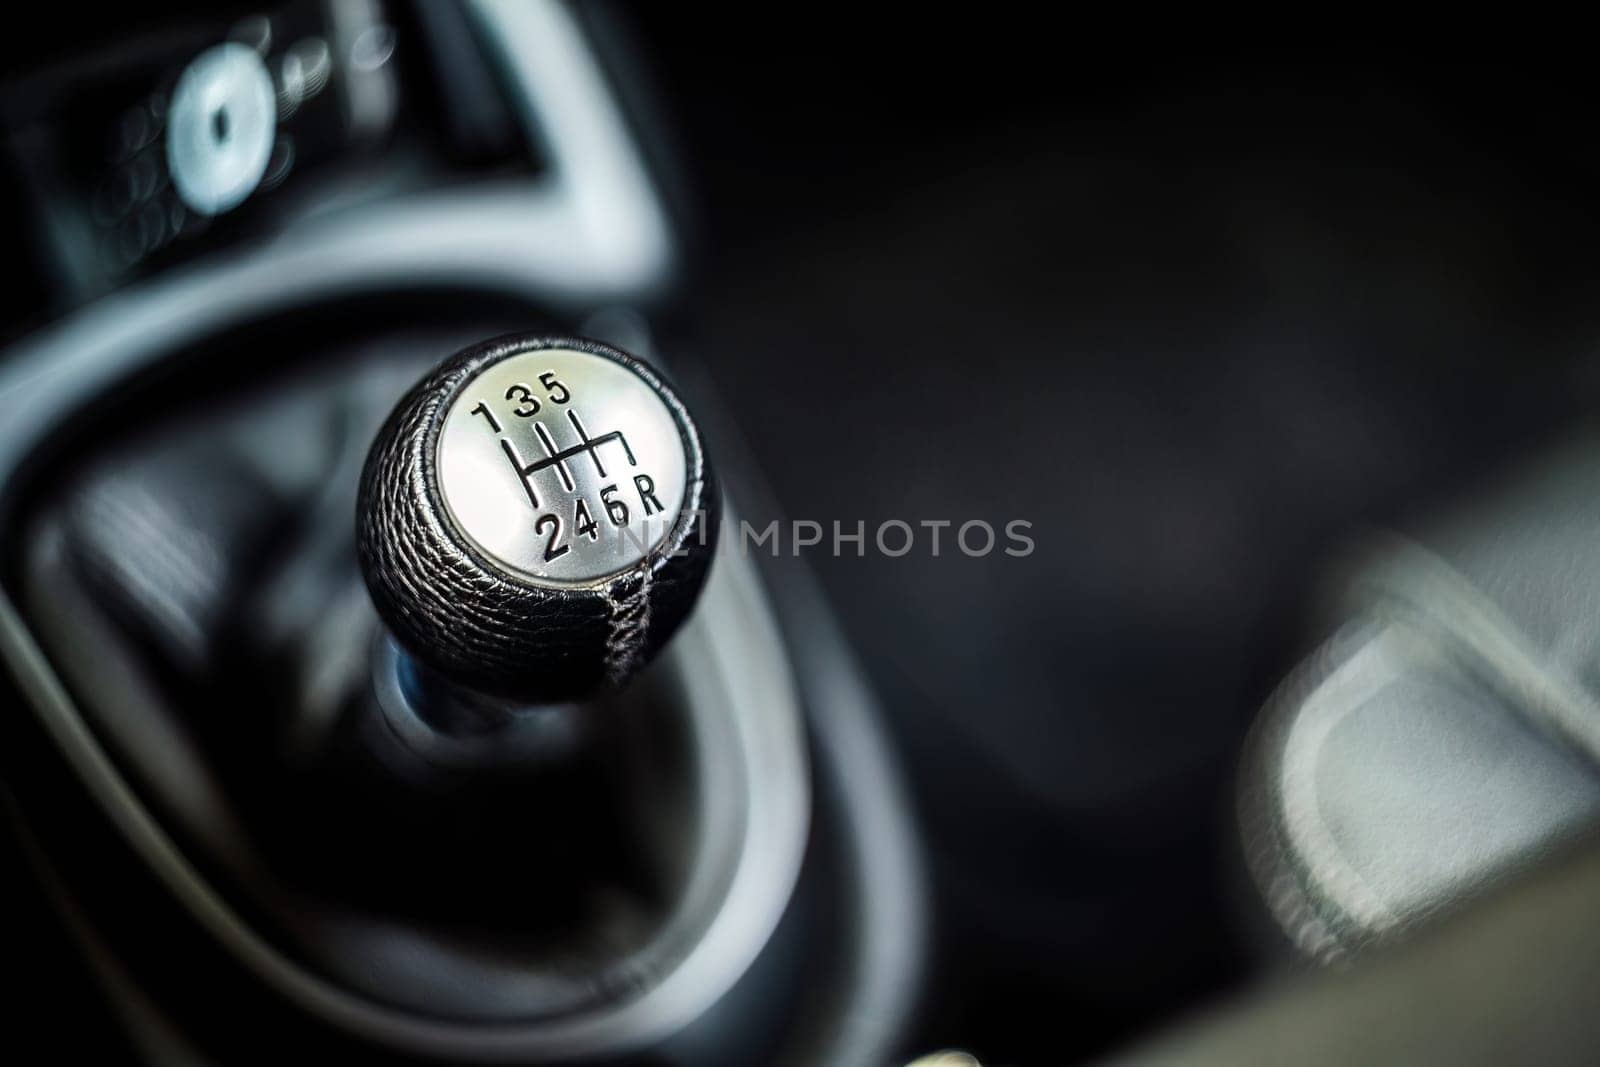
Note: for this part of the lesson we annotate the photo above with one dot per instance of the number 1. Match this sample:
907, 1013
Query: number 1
482, 409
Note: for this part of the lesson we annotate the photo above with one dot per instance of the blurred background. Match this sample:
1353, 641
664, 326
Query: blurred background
1200, 314
1203, 314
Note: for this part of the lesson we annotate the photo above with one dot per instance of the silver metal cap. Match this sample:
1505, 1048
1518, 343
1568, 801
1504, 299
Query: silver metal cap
561, 466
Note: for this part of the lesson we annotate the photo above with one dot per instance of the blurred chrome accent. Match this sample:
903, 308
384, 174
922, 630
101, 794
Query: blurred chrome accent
220, 128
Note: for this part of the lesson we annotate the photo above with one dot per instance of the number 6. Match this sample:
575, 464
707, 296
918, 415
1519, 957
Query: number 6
616, 509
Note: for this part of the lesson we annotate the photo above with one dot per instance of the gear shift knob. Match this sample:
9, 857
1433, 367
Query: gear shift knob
536, 518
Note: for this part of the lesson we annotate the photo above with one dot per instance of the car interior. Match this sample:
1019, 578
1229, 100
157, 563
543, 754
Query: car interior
556, 532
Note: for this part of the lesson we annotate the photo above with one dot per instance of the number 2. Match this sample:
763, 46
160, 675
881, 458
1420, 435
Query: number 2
551, 550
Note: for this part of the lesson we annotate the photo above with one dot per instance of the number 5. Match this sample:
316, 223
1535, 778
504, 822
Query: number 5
551, 385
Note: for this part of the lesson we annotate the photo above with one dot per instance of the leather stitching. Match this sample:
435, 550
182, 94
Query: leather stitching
630, 622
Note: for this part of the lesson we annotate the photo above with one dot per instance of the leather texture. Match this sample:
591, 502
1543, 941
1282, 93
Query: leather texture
188, 566
482, 626
1444, 739
199, 593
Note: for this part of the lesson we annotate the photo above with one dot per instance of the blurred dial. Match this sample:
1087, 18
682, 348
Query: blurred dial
220, 128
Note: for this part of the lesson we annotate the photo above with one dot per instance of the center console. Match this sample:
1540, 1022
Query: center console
489, 752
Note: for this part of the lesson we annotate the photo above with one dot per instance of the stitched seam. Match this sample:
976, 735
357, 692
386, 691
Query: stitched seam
630, 619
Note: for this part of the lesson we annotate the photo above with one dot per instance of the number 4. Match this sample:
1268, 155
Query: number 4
584, 523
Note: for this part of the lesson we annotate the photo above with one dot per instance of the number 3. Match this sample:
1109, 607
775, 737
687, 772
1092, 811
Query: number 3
528, 407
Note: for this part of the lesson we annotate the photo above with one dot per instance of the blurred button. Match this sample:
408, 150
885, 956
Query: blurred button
143, 178
373, 48
279, 165
220, 128
254, 32
302, 73
134, 131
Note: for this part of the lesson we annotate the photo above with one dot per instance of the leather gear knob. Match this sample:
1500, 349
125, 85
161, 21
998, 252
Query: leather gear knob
536, 518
